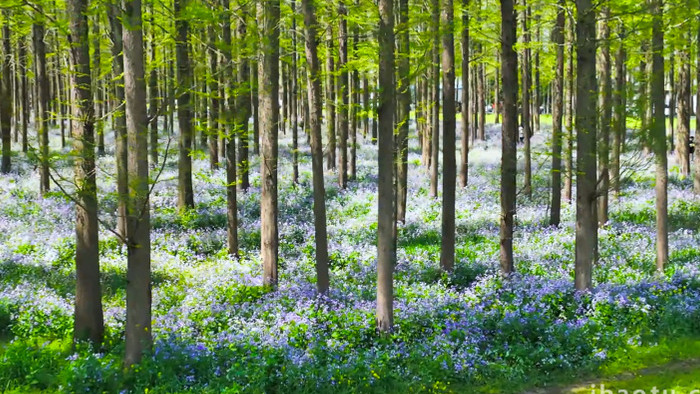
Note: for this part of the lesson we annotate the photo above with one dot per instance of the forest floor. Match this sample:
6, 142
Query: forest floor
218, 330
673, 366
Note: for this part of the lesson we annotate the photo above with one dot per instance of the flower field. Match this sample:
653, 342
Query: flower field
217, 329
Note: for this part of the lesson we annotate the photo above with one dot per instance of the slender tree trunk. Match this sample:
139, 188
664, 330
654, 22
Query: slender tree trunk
404, 109
344, 86
231, 128
138, 288
153, 91
447, 251
185, 194
355, 77
244, 81
315, 99
683, 135
696, 158
586, 113
366, 105
330, 100
97, 90
6, 93
526, 93
558, 40
464, 162
42, 114
294, 95
481, 92
569, 150
386, 253
22, 57
375, 116
435, 100
619, 113
213, 120
120, 136
672, 99
605, 106
659, 134
537, 102
89, 322
509, 73
254, 88
268, 91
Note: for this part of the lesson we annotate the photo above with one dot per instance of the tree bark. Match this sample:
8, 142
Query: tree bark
619, 114
569, 149
403, 99
509, 73
683, 135
185, 194
586, 114
213, 120
42, 98
605, 107
138, 288
435, 100
557, 112
386, 253
315, 99
6, 93
447, 251
659, 134
343, 91
120, 136
464, 162
525, 101
268, 93
89, 321
153, 91
330, 100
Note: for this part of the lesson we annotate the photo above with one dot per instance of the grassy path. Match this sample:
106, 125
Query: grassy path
673, 366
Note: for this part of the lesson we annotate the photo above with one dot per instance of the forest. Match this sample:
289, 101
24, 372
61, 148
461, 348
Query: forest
390, 196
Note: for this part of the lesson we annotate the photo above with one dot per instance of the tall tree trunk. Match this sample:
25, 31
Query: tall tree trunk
447, 251
89, 321
330, 100
526, 95
120, 136
404, 109
185, 194
268, 91
571, 91
22, 57
244, 82
213, 120
6, 93
294, 92
254, 88
435, 99
314, 95
97, 91
480, 93
696, 159
153, 91
386, 252
683, 135
344, 85
355, 99
509, 73
619, 114
558, 40
659, 134
43, 114
138, 288
586, 174
537, 101
464, 162
230, 140
604, 104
